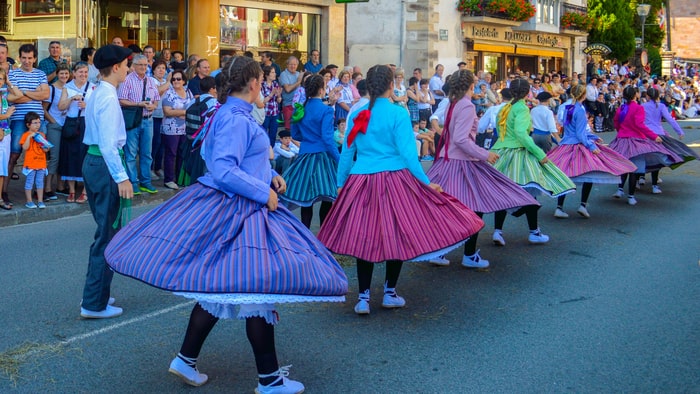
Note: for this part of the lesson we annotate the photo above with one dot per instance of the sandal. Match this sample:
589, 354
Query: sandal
82, 199
15, 176
71, 197
5, 206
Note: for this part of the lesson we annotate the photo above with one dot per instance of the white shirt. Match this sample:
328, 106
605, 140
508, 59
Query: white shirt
292, 152
591, 92
543, 119
488, 120
104, 127
441, 112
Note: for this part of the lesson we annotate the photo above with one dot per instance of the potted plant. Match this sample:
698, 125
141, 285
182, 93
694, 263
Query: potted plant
469, 7
516, 10
577, 21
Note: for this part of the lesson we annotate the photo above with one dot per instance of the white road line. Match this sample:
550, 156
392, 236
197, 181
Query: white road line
124, 323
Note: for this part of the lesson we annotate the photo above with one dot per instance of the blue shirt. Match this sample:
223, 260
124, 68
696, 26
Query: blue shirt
576, 132
315, 130
388, 145
311, 68
237, 153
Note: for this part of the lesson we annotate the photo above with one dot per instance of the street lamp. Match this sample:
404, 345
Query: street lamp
643, 12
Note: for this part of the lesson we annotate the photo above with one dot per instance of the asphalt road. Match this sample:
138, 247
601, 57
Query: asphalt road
611, 304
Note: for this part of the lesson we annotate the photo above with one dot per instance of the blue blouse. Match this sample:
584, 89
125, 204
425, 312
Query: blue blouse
315, 130
576, 132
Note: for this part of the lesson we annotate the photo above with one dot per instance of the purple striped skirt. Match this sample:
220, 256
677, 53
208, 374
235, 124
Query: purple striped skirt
582, 165
202, 241
391, 215
478, 185
646, 154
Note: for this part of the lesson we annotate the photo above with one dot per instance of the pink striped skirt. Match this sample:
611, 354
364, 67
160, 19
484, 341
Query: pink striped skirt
392, 216
646, 154
478, 185
582, 165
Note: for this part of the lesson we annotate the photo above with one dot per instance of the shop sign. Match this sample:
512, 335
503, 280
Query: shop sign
597, 49
506, 34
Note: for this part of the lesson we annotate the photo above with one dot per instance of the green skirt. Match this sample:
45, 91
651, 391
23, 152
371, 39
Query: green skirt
524, 169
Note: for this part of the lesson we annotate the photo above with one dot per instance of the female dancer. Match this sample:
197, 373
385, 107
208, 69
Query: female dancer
524, 162
463, 168
582, 156
653, 112
386, 200
635, 141
312, 176
224, 241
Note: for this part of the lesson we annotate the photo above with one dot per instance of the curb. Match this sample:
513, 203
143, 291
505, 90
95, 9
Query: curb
61, 209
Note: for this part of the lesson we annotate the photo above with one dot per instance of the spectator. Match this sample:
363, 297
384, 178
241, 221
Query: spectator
418, 73
5, 136
436, 83
150, 54
425, 100
314, 64
163, 83
117, 41
54, 124
10, 60
462, 66
193, 165
272, 97
356, 78
138, 90
29, 88
4, 60
290, 80
175, 103
87, 55
50, 63
342, 106
191, 66
34, 160
268, 60
339, 133
202, 70
334, 76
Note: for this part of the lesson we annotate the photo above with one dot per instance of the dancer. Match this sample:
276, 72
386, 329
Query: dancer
386, 201
544, 128
638, 143
463, 168
224, 241
583, 157
653, 113
524, 162
312, 176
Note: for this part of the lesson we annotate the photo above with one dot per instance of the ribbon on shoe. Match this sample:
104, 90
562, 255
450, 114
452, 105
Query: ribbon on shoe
359, 126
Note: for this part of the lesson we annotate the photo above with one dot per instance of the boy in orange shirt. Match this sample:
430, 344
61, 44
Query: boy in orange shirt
34, 160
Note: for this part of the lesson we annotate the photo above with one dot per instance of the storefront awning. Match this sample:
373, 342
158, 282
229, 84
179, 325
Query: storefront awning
535, 51
501, 48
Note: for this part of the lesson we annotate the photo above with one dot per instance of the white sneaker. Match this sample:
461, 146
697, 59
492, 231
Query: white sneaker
188, 374
172, 185
631, 200
441, 261
655, 189
660, 180
558, 213
537, 237
393, 300
641, 181
583, 212
474, 261
619, 193
498, 238
288, 386
111, 301
110, 311
362, 307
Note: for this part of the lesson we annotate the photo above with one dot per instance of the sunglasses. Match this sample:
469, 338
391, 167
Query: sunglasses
177, 79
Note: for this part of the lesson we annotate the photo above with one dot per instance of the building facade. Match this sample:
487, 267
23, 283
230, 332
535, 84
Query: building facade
208, 28
684, 23
434, 32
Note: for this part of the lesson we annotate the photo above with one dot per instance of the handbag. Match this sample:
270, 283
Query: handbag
73, 127
134, 115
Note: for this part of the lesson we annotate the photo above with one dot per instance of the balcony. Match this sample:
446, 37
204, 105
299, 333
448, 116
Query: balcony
575, 20
494, 12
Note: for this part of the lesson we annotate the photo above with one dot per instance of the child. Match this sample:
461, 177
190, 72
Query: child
427, 139
339, 134
34, 160
284, 151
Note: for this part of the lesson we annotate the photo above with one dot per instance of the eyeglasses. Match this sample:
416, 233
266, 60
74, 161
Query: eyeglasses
140, 64
177, 79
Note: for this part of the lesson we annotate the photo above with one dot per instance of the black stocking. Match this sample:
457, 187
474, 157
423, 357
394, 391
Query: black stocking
585, 192
307, 213
323, 211
393, 270
199, 327
364, 275
261, 336
470, 245
498, 219
655, 177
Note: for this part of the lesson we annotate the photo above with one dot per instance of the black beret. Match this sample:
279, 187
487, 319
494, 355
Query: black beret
110, 55
284, 133
544, 96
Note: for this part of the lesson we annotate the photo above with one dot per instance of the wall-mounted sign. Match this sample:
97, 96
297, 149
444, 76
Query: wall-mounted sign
508, 35
597, 49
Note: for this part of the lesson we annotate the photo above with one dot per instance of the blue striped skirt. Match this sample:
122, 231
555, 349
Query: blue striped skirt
524, 169
202, 241
310, 178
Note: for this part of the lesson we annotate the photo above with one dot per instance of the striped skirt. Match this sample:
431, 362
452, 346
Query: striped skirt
646, 154
202, 241
478, 185
524, 169
582, 165
680, 149
391, 216
310, 178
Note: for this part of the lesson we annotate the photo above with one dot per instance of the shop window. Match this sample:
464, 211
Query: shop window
267, 30
144, 22
43, 7
4, 16
547, 11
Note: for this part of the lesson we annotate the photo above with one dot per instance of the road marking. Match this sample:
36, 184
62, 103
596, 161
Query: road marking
124, 323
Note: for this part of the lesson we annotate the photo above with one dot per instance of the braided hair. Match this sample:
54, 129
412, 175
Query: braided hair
519, 88
379, 79
235, 76
460, 82
653, 94
313, 85
577, 92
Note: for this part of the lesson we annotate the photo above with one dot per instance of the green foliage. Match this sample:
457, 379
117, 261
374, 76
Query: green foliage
614, 27
653, 34
654, 57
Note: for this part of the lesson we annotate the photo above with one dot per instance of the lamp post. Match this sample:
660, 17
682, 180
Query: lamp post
643, 12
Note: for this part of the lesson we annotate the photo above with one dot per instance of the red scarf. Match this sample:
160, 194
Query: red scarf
359, 126
445, 138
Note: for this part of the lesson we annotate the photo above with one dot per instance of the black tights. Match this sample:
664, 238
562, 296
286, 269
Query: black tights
633, 182
307, 213
470, 245
365, 269
530, 212
261, 336
585, 193
655, 177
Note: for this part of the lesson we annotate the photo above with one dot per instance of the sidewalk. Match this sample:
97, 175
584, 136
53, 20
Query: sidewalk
56, 209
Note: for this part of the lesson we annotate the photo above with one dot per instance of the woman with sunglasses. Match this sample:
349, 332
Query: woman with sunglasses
175, 103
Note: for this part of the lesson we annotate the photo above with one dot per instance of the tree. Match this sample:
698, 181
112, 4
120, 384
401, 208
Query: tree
614, 27
653, 34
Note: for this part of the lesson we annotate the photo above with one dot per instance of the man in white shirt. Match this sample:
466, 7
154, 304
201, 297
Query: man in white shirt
486, 129
544, 128
436, 84
592, 94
